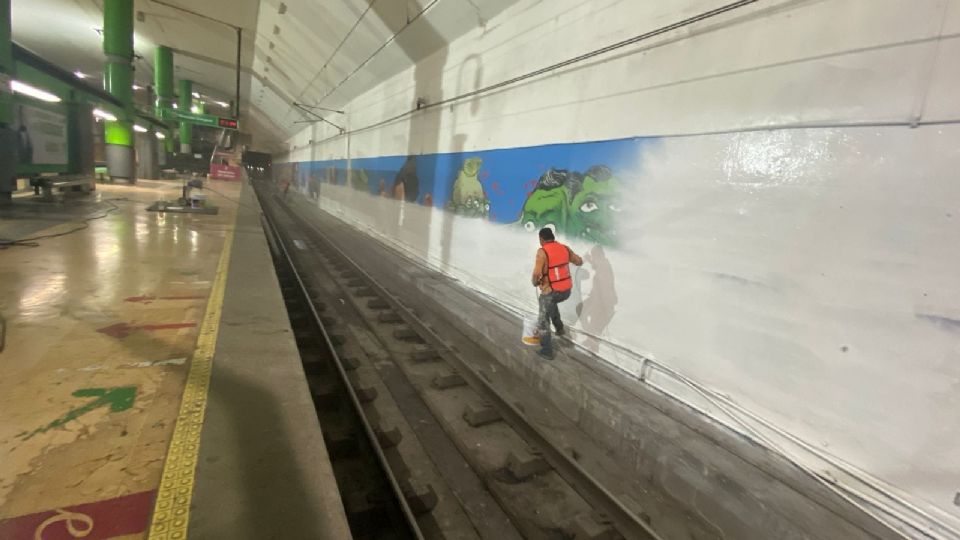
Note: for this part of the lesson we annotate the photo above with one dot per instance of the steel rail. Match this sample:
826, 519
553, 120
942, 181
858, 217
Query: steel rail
355, 401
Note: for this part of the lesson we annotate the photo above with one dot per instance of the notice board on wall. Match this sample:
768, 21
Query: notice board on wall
41, 136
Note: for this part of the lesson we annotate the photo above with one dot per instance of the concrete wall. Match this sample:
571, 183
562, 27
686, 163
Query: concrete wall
786, 215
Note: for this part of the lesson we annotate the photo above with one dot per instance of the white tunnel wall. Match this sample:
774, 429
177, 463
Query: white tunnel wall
784, 235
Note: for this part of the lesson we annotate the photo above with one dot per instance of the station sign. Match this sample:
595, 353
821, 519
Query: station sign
201, 119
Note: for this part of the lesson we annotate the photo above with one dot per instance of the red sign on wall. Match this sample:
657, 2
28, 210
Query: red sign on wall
225, 172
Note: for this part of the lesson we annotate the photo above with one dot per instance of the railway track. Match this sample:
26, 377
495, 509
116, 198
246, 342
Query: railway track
421, 445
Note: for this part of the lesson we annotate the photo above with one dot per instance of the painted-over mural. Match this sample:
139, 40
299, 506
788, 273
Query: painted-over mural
574, 188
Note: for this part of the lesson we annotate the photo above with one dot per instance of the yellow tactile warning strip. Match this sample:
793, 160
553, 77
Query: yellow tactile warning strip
171, 513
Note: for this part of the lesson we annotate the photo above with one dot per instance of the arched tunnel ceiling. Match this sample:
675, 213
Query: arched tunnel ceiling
317, 52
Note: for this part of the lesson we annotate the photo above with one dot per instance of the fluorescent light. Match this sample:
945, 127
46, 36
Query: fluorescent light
139, 129
100, 113
137, 86
27, 90
196, 95
175, 106
80, 75
161, 136
222, 103
195, 109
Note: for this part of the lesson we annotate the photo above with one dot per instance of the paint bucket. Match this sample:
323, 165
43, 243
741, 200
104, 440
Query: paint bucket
530, 333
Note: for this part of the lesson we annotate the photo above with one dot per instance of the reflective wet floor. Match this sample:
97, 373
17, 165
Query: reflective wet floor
100, 325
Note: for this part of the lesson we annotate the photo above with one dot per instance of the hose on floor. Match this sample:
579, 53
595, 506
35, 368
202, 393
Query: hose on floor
33, 241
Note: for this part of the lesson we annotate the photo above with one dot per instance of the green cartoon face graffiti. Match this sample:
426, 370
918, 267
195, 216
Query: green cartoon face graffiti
468, 198
594, 208
548, 204
545, 208
359, 179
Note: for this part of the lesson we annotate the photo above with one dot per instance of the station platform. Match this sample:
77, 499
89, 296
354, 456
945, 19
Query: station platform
151, 386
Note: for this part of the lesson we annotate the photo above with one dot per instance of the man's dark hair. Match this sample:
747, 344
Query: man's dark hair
546, 234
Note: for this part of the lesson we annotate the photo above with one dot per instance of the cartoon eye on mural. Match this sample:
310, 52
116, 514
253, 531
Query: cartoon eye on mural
594, 208
579, 206
468, 197
406, 186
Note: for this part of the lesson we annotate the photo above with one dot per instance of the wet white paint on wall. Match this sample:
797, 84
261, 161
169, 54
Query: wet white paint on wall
810, 277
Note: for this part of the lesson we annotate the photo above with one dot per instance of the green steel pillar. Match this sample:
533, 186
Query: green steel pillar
163, 83
6, 64
184, 101
118, 81
163, 78
8, 144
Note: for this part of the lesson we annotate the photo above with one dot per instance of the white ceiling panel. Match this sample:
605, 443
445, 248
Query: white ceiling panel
318, 52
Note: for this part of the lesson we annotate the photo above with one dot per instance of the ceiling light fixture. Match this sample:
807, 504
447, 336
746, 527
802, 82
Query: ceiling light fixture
175, 106
34, 92
139, 129
195, 109
100, 113
80, 75
222, 103
137, 86
196, 95
161, 136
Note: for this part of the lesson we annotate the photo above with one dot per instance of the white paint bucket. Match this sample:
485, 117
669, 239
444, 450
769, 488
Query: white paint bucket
530, 334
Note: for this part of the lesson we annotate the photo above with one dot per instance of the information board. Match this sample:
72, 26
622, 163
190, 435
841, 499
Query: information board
41, 136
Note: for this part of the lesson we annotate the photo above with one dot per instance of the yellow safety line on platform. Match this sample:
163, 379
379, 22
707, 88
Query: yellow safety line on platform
171, 513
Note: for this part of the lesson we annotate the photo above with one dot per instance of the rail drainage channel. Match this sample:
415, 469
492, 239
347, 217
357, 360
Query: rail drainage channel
369, 493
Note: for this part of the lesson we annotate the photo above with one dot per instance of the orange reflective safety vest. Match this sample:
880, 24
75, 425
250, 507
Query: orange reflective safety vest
558, 266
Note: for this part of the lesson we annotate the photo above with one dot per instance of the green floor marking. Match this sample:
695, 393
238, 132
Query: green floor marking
119, 399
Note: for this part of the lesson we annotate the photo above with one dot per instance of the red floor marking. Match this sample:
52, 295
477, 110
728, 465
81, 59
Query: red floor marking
146, 299
100, 520
122, 330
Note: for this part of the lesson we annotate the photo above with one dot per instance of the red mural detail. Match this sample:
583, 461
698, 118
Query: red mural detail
99, 520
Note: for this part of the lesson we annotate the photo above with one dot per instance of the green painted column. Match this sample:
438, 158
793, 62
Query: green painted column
118, 81
163, 78
8, 137
163, 84
184, 101
6, 64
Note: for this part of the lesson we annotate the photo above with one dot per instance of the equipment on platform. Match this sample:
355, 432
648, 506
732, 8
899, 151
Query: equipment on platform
192, 200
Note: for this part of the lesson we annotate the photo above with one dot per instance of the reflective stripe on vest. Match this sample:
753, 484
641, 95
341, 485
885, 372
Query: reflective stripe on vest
558, 266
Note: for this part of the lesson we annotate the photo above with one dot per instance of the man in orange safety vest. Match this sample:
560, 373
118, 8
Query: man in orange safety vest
551, 273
